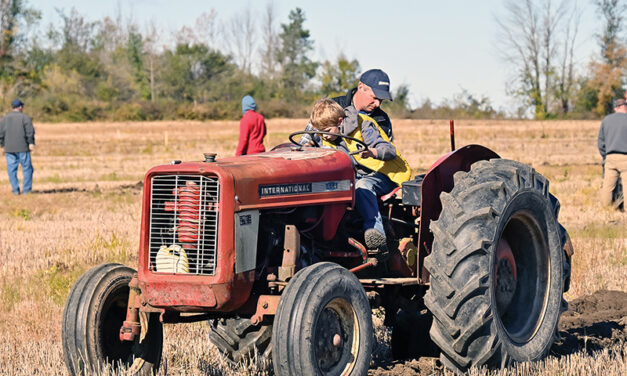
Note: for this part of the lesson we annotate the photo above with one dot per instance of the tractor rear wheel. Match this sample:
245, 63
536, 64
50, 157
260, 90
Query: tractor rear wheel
92, 318
238, 339
496, 267
323, 324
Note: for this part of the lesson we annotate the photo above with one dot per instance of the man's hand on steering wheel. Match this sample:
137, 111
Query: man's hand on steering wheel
369, 153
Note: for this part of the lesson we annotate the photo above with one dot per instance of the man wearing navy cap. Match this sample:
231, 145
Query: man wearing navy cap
366, 98
17, 139
372, 90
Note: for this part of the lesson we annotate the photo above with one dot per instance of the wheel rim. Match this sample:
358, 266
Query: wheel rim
336, 342
113, 316
521, 276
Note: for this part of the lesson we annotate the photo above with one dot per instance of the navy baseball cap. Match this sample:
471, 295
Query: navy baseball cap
378, 81
16, 103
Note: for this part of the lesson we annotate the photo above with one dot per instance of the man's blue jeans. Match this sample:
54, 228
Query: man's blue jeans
367, 190
13, 160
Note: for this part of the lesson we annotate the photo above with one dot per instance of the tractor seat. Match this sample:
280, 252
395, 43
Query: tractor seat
389, 195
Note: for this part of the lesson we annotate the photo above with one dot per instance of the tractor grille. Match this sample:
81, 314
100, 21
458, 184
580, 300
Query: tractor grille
184, 224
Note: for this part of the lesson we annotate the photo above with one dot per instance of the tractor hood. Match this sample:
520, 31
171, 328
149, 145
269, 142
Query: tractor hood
285, 177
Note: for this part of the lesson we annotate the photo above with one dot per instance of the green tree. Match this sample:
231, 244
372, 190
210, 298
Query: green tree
399, 106
136, 55
195, 73
337, 78
13, 15
112, 47
29, 67
76, 39
15, 20
470, 106
296, 67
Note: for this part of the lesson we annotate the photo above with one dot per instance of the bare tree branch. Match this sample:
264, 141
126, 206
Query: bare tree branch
240, 34
529, 40
268, 66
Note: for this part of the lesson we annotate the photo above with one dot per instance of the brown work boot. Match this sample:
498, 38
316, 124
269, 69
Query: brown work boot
376, 244
374, 239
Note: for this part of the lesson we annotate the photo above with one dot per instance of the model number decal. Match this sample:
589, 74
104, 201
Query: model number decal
304, 188
284, 189
245, 219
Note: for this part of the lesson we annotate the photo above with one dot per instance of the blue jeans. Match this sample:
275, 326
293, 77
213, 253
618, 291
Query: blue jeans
13, 160
367, 190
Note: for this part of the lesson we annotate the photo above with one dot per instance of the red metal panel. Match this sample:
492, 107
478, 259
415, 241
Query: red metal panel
190, 293
284, 166
164, 290
439, 179
332, 216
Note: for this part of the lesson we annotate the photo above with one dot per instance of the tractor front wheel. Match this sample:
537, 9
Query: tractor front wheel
496, 267
92, 318
323, 324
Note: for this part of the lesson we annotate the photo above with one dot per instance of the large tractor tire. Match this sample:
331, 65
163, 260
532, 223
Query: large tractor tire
323, 324
496, 267
92, 318
239, 340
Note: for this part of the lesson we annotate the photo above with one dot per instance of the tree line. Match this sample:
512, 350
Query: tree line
538, 39
113, 69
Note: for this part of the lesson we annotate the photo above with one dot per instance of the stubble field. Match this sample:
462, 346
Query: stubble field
85, 210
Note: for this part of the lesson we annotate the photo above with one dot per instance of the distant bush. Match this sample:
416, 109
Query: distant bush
221, 110
129, 111
65, 108
276, 108
84, 111
157, 110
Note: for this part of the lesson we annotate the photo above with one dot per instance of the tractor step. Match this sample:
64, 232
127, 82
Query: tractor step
389, 281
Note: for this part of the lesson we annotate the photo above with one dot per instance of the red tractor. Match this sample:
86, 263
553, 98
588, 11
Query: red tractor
269, 249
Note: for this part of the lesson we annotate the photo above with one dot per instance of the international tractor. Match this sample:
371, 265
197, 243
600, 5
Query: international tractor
269, 250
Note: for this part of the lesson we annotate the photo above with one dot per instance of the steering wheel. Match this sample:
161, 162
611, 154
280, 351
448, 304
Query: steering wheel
361, 146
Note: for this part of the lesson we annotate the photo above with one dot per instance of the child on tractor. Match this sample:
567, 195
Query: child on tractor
379, 167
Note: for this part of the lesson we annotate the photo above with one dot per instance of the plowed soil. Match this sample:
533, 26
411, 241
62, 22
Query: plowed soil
591, 323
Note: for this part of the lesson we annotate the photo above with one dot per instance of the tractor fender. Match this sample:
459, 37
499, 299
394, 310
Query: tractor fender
439, 179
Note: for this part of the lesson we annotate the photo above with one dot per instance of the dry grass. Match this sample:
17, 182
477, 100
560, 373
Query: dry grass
85, 212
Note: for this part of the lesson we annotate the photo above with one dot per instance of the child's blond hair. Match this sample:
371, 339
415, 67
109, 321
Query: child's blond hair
326, 113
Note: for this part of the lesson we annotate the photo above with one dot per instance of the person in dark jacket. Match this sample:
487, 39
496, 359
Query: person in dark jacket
17, 138
612, 143
373, 88
252, 129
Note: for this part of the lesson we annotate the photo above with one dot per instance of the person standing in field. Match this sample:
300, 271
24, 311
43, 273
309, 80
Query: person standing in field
612, 142
252, 129
17, 139
373, 88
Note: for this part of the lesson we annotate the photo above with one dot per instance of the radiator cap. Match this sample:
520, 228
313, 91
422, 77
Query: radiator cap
210, 157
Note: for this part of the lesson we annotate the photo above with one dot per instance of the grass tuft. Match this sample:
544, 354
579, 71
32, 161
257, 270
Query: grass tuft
24, 214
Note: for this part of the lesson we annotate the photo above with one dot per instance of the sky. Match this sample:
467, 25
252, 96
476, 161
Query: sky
437, 48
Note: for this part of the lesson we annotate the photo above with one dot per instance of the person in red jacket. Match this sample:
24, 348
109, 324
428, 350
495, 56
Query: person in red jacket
252, 129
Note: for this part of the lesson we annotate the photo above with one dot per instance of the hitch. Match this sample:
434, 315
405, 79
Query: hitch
266, 306
131, 326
